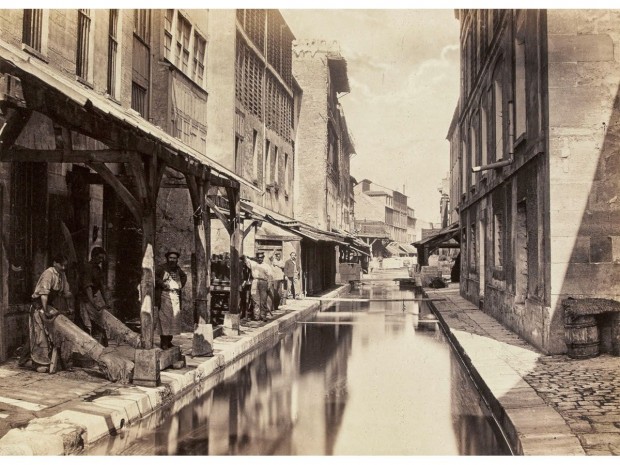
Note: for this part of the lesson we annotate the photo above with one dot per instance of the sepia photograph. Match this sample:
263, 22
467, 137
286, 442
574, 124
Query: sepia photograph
309, 230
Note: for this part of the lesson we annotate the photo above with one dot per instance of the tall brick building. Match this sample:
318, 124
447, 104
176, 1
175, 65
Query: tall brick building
324, 147
535, 162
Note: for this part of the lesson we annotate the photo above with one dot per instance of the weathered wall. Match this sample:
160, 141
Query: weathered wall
584, 155
310, 69
220, 69
503, 212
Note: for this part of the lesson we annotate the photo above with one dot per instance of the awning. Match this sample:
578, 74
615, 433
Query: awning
393, 248
353, 240
360, 251
284, 222
408, 248
268, 231
21, 64
443, 236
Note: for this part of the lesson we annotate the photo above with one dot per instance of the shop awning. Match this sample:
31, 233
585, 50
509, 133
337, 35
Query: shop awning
293, 226
442, 238
393, 248
408, 248
92, 114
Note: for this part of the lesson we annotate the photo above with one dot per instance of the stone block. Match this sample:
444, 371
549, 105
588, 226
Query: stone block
563, 75
202, 342
582, 107
580, 47
570, 249
601, 249
40, 443
231, 324
169, 357
147, 367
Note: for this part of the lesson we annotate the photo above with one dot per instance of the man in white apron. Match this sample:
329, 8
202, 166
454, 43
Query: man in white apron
169, 282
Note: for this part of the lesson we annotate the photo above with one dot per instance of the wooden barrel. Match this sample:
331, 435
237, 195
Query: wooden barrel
582, 337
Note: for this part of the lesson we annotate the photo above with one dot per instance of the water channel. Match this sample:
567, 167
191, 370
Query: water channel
357, 379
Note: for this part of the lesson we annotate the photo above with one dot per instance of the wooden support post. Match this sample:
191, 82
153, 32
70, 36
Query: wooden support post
203, 330
231, 322
147, 282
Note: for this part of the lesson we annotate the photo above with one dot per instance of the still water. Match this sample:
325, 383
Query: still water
357, 379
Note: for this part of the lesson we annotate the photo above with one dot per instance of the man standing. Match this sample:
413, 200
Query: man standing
51, 297
91, 284
279, 282
261, 274
169, 281
291, 271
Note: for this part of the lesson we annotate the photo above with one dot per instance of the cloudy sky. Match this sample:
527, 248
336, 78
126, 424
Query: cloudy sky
403, 70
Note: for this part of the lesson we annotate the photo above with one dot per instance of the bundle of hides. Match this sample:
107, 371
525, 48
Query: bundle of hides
70, 338
115, 329
437, 283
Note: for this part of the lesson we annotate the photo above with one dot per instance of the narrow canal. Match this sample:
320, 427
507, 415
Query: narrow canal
361, 378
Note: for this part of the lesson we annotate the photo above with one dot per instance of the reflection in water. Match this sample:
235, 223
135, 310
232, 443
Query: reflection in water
379, 384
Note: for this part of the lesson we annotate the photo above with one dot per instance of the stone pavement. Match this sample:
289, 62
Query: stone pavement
546, 405
60, 414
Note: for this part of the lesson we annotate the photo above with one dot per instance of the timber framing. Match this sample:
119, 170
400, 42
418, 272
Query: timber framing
146, 152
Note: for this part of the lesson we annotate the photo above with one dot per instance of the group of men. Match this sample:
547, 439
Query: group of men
267, 284
265, 287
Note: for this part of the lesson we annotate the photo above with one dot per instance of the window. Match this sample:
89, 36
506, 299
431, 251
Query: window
181, 59
473, 151
286, 174
266, 174
200, 46
473, 262
112, 52
238, 164
520, 89
168, 34
498, 237
275, 172
498, 115
32, 34
484, 136
255, 154
83, 44
141, 62
139, 100
142, 25
463, 166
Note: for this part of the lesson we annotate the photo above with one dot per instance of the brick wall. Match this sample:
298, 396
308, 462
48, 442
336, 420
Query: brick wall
310, 70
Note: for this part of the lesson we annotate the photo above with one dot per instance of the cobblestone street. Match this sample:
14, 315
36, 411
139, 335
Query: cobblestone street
585, 393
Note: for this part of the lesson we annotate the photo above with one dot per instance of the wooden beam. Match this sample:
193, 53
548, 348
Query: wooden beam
60, 156
124, 194
202, 250
12, 128
219, 181
249, 228
223, 218
137, 169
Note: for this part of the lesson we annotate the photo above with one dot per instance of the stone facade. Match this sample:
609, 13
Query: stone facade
538, 104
